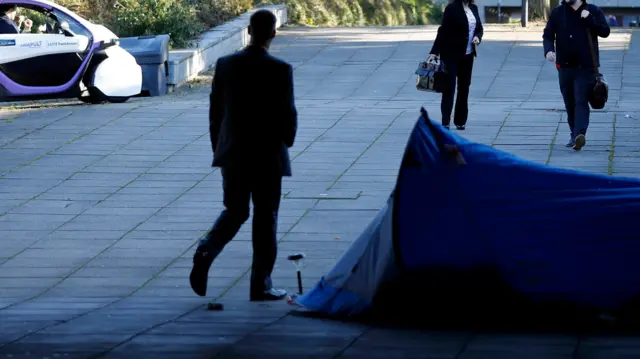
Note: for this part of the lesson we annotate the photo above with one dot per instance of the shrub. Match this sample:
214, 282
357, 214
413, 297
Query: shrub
152, 17
184, 19
216, 12
361, 12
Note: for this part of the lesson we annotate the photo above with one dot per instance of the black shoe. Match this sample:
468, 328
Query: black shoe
581, 140
446, 126
571, 143
461, 127
200, 272
268, 295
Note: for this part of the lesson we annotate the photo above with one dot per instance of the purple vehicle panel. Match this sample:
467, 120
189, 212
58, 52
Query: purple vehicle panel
19, 90
15, 89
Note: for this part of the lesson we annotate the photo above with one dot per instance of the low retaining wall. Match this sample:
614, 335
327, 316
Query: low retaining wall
186, 64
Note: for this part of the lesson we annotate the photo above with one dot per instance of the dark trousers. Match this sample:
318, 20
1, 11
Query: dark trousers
575, 86
462, 72
240, 187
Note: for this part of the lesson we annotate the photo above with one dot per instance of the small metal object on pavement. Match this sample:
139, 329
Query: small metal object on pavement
297, 260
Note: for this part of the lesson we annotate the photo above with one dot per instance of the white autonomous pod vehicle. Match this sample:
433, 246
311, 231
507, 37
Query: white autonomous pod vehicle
72, 57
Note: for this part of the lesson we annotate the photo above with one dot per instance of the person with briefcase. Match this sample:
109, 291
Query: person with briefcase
454, 50
570, 40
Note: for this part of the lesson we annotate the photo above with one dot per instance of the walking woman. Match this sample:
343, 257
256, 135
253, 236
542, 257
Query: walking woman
455, 45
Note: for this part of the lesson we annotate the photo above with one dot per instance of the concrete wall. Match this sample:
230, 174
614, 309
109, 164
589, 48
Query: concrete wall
186, 64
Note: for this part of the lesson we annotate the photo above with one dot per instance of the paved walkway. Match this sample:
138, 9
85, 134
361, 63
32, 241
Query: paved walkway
100, 206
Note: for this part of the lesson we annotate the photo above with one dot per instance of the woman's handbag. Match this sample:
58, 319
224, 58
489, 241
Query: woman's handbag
600, 93
432, 76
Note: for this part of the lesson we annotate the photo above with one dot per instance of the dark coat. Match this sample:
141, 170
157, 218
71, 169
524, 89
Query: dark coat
7, 26
566, 33
453, 35
253, 118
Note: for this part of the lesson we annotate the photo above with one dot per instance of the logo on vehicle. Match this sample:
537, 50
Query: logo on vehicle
32, 44
5, 42
64, 43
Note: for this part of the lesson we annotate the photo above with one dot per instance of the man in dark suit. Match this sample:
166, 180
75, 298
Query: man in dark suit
252, 123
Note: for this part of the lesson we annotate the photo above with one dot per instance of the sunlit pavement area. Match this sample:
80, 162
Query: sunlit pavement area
100, 206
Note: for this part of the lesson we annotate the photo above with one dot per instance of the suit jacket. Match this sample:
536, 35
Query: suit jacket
253, 118
566, 33
453, 35
7, 26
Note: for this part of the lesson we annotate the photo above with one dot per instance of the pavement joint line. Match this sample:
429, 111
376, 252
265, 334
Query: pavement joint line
79, 171
317, 139
465, 345
320, 136
49, 152
544, 63
612, 151
32, 131
219, 296
121, 237
255, 331
353, 91
554, 140
352, 342
504, 61
622, 62
504, 122
380, 63
576, 350
375, 140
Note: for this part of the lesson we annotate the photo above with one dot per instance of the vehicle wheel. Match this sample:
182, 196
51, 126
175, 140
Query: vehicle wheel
117, 99
96, 97
93, 100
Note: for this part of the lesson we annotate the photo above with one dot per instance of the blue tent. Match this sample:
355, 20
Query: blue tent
552, 234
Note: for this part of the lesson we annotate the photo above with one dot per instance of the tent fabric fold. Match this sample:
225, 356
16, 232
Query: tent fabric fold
552, 234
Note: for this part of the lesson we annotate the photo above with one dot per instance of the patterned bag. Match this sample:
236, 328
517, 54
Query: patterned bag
432, 76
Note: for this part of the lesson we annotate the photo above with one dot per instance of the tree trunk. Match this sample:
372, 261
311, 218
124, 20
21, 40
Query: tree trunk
540, 9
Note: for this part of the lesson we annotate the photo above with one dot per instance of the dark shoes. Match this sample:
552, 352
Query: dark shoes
268, 295
200, 272
581, 140
199, 277
577, 143
459, 128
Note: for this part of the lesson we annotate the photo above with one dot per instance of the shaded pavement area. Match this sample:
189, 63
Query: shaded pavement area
100, 206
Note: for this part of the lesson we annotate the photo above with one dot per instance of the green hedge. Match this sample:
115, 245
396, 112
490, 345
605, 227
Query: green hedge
149, 17
361, 12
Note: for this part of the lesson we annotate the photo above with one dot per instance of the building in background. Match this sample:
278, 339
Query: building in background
626, 12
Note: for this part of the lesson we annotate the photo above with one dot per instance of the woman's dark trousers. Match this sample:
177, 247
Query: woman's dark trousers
461, 71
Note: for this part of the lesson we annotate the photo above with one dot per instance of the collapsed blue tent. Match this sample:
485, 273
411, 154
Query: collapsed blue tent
553, 234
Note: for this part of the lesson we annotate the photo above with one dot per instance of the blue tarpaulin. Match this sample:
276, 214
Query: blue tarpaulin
553, 234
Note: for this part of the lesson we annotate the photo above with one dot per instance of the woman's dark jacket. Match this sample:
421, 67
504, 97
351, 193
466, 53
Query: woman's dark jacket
453, 35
